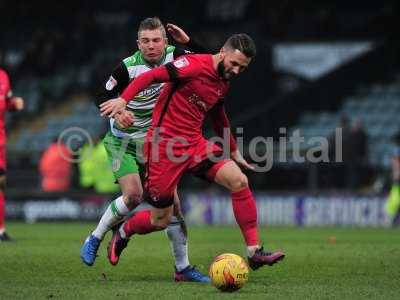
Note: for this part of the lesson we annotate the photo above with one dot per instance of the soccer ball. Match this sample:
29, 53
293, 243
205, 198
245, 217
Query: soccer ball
228, 272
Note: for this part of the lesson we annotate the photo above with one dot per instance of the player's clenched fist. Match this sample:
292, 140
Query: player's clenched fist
124, 119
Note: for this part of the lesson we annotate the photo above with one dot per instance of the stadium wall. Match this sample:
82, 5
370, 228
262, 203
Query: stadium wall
214, 208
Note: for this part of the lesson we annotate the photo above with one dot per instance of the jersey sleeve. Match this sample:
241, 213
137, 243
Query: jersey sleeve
193, 46
156, 75
185, 67
6, 90
220, 123
181, 69
115, 84
5, 86
197, 47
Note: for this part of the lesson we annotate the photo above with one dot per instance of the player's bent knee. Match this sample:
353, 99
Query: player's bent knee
239, 182
160, 222
178, 213
161, 217
177, 209
133, 199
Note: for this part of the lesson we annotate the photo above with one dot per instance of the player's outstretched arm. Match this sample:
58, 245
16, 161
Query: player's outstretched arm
221, 123
115, 84
115, 106
181, 37
178, 34
184, 67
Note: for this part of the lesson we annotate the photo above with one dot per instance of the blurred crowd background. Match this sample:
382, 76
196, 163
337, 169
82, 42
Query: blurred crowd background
321, 65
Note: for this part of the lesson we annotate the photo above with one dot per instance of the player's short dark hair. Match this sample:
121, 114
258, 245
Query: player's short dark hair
152, 24
242, 42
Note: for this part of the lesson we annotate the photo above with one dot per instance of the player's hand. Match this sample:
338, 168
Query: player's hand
238, 158
178, 34
124, 119
111, 107
18, 103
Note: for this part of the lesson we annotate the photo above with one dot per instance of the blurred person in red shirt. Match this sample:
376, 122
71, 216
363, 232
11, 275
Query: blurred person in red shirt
7, 102
55, 167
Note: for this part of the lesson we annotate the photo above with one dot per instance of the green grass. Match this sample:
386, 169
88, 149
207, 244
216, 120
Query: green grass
44, 264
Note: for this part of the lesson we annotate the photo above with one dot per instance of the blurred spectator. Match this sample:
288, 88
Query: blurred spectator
354, 152
393, 202
343, 130
95, 170
357, 154
345, 137
104, 180
55, 168
86, 166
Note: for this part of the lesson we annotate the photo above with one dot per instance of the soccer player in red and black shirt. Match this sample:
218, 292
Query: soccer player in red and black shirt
197, 85
125, 139
7, 102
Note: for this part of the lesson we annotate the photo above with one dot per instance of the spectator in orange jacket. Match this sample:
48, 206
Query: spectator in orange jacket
55, 167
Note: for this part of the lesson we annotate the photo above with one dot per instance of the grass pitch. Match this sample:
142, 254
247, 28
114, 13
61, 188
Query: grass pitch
323, 263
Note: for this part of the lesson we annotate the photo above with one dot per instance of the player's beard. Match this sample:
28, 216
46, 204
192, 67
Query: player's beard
221, 71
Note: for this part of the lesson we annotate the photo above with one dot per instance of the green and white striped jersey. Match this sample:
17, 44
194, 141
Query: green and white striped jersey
142, 105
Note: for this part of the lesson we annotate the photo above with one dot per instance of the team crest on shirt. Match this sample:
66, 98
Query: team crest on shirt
196, 99
116, 165
111, 83
182, 62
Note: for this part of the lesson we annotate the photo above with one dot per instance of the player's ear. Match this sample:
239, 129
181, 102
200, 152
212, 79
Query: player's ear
222, 53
